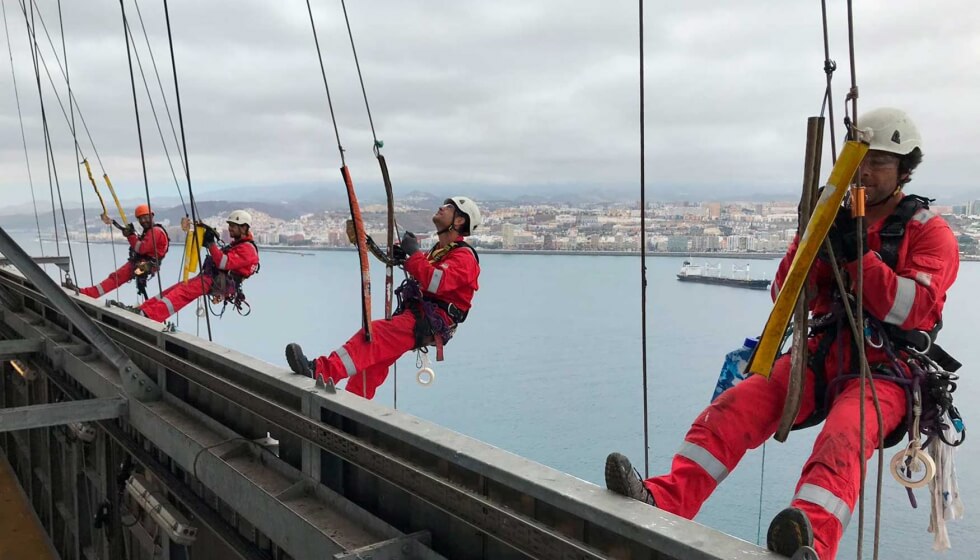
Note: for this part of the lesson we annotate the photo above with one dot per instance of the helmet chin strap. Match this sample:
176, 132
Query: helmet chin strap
450, 227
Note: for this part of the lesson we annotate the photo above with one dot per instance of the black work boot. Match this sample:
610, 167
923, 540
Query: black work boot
789, 532
623, 479
297, 360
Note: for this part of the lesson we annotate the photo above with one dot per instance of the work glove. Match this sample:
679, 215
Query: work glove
843, 236
210, 237
129, 229
409, 246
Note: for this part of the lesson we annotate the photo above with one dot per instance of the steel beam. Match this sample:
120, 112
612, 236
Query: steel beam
10, 349
44, 415
135, 382
64, 263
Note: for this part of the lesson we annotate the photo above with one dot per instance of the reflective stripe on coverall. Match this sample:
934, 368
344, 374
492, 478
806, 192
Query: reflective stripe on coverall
452, 279
911, 297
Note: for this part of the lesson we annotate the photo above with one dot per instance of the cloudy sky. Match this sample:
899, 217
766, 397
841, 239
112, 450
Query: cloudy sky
524, 96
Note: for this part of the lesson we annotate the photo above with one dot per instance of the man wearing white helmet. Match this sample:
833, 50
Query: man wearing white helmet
222, 274
910, 260
434, 299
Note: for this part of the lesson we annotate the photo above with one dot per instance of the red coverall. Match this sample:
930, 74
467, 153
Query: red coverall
452, 279
152, 244
744, 417
240, 257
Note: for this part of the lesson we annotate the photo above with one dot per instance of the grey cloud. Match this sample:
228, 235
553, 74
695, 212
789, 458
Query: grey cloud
518, 94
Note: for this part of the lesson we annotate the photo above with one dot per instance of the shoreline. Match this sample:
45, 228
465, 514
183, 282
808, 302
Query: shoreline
761, 256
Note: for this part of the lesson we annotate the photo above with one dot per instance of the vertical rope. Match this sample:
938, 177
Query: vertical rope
183, 137
74, 135
20, 118
828, 67
643, 257
139, 129
49, 152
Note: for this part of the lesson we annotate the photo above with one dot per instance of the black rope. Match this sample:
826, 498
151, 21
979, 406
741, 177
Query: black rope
139, 129
360, 77
153, 110
72, 98
20, 118
391, 224
72, 102
49, 149
163, 95
78, 168
643, 257
829, 66
187, 159
326, 86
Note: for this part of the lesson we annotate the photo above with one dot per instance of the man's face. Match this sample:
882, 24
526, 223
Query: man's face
236, 231
444, 216
146, 220
879, 175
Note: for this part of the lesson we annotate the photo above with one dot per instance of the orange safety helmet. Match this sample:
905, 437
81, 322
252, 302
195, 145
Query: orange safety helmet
142, 210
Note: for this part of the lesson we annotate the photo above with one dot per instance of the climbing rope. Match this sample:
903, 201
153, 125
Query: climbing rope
139, 130
20, 119
355, 209
153, 110
183, 137
73, 102
53, 181
643, 258
74, 135
389, 193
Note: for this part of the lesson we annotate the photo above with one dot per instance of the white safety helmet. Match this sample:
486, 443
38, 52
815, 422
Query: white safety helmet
240, 217
891, 131
468, 207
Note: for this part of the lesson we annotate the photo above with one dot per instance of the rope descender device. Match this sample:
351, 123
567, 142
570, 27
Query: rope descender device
425, 375
907, 463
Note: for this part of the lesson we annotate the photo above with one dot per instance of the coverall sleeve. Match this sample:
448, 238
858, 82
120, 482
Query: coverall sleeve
154, 245
133, 240
913, 296
819, 272
240, 258
458, 269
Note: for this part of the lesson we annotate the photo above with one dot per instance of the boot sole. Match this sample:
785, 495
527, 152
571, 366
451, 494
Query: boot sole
295, 361
617, 473
789, 531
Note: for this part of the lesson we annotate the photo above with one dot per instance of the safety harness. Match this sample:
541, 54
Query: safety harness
226, 286
145, 267
917, 363
431, 327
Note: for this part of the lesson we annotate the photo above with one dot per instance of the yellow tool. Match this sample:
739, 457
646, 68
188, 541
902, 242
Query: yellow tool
105, 212
823, 217
91, 179
195, 240
112, 191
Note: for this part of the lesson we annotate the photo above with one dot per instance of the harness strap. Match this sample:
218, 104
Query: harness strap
893, 231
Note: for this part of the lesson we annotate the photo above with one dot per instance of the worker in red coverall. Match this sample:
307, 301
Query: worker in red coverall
443, 283
224, 267
908, 297
146, 251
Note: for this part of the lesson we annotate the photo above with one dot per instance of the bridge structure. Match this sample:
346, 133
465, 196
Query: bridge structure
129, 442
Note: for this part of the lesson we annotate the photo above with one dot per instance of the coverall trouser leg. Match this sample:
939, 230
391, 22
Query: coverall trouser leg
122, 275
366, 363
745, 416
830, 485
176, 297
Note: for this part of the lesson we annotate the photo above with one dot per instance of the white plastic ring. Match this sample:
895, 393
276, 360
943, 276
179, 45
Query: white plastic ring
425, 376
921, 461
201, 312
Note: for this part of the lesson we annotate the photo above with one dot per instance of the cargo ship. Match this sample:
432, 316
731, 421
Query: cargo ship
711, 274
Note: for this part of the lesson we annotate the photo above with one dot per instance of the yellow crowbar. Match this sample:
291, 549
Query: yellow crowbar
823, 217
